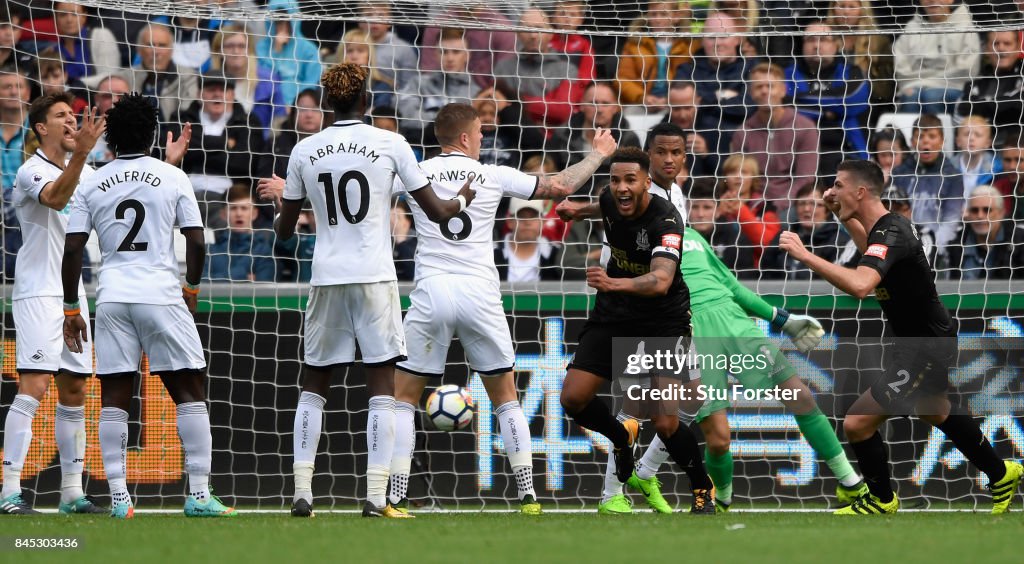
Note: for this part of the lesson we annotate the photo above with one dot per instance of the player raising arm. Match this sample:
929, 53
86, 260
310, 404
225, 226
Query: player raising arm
457, 290
916, 379
347, 171
134, 203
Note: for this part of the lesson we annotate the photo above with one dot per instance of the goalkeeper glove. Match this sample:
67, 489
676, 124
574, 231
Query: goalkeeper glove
803, 330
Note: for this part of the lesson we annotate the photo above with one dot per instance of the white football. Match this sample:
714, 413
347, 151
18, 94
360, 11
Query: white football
450, 408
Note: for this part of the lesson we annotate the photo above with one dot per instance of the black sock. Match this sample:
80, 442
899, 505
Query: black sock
873, 459
683, 448
597, 417
966, 435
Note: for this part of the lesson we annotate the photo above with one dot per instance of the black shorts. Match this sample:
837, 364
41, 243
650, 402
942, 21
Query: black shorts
594, 352
915, 368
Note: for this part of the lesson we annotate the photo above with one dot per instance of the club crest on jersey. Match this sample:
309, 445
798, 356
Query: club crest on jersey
642, 244
876, 250
36, 178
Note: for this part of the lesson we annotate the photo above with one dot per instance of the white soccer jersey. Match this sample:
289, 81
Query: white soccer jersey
42, 229
465, 243
134, 203
347, 171
674, 195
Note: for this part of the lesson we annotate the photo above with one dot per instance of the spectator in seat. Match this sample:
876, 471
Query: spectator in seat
487, 47
1011, 182
53, 80
720, 75
295, 256
832, 92
975, 158
505, 142
725, 237
525, 255
89, 52
871, 52
599, 110
818, 230
234, 53
10, 34
998, 92
193, 40
932, 65
422, 97
239, 252
888, 148
290, 56
742, 201
555, 228
932, 181
355, 47
107, 93
784, 142
896, 201
385, 118
394, 57
701, 144
156, 75
567, 20
15, 93
226, 142
546, 82
403, 237
647, 63
307, 117
986, 245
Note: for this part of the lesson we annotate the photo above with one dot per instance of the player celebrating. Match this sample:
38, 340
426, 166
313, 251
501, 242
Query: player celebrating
895, 268
457, 290
134, 203
641, 294
347, 171
43, 188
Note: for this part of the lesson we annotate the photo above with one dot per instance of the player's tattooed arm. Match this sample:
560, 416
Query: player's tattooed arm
70, 274
655, 283
439, 210
565, 183
575, 211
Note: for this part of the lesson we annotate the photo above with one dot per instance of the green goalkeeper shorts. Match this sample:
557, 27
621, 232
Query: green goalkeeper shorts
728, 342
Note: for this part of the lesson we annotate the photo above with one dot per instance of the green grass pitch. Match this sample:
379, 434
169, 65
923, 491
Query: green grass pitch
494, 537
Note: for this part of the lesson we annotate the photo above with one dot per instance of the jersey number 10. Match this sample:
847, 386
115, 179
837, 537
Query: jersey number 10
341, 199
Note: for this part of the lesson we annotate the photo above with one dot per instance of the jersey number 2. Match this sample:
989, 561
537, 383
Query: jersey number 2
129, 244
327, 179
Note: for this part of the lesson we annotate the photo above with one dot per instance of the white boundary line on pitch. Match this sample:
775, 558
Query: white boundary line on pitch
284, 511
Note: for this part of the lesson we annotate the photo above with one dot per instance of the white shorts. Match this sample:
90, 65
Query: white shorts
166, 333
466, 307
39, 337
340, 315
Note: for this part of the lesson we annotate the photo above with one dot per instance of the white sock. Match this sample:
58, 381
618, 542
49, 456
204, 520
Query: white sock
196, 440
653, 458
17, 439
839, 462
612, 485
113, 431
685, 418
380, 443
70, 432
515, 433
309, 419
401, 457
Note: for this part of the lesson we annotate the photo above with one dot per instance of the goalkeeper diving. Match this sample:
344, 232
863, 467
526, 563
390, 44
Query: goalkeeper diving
721, 307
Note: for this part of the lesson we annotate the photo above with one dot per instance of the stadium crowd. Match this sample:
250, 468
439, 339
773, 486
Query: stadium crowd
766, 119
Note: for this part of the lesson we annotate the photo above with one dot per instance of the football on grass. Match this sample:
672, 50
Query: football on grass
450, 408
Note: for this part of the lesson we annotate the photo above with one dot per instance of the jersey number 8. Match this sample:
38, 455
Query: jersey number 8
341, 200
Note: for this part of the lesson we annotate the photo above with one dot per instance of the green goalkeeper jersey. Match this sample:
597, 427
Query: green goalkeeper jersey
710, 281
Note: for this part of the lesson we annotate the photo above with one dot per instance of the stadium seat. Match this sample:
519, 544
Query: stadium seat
905, 123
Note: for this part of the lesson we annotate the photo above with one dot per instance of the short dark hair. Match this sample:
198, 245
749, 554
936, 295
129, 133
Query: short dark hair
131, 124
41, 106
928, 121
865, 172
631, 155
808, 189
452, 121
384, 112
890, 134
665, 130
703, 188
1014, 139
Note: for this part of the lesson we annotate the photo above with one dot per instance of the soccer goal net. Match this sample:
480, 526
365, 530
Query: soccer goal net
767, 98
